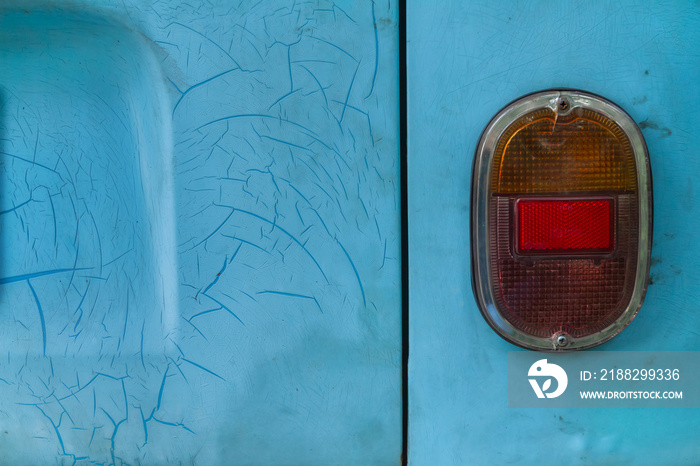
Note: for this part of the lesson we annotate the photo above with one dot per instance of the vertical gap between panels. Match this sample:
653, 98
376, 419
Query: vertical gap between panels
403, 148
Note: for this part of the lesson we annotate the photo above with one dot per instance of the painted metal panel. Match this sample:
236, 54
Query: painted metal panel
466, 60
199, 217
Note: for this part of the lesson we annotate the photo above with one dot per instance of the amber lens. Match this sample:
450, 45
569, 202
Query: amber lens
581, 152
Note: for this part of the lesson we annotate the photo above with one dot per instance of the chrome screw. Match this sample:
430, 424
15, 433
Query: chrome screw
562, 341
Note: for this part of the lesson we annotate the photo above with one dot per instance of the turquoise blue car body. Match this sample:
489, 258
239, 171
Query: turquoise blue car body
200, 228
466, 60
199, 213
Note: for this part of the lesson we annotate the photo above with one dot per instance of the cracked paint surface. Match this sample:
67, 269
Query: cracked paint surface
199, 219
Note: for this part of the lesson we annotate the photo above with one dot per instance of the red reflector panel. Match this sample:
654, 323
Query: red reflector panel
554, 226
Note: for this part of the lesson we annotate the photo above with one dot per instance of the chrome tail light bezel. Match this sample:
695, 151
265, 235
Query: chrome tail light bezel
480, 223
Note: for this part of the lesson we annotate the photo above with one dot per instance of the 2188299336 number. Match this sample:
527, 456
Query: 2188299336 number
640, 374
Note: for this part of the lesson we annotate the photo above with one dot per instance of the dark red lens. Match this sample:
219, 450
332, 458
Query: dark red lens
577, 226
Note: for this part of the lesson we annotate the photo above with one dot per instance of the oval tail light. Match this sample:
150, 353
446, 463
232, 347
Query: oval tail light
561, 221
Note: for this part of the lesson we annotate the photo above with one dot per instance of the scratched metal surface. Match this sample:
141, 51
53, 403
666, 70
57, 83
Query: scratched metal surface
199, 217
466, 60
